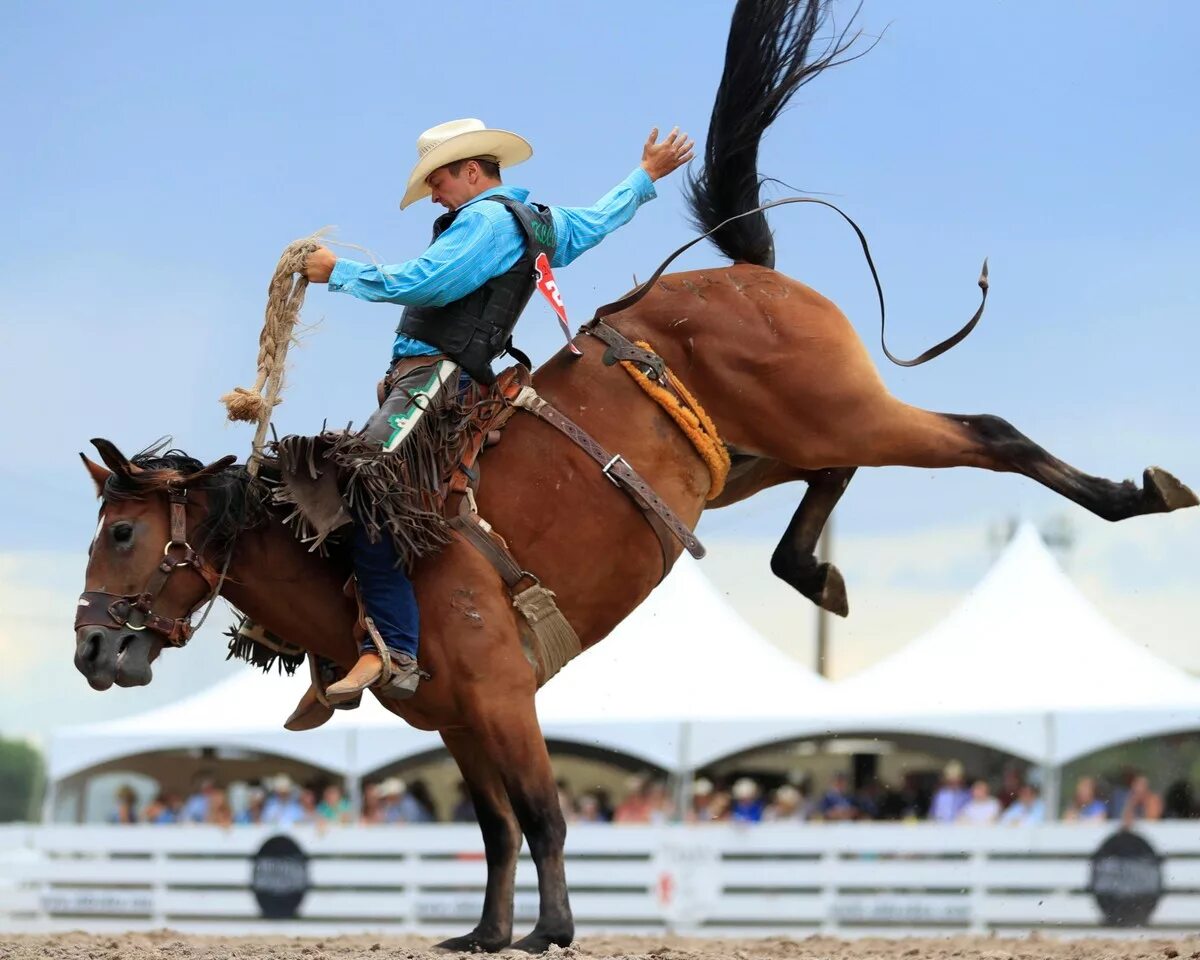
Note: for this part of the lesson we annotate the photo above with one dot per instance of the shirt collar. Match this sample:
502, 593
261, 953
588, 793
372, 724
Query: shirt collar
520, 194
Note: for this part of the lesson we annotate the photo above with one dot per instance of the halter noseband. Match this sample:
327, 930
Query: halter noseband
97, 608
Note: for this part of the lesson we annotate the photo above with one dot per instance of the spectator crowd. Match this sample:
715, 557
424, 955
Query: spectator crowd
1013, 801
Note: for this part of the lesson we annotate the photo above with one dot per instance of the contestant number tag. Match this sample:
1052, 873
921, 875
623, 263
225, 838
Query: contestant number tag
549, 287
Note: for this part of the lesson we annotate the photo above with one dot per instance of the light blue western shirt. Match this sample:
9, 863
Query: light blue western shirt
485, 241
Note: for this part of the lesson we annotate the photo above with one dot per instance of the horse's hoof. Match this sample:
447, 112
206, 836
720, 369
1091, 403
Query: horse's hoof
539, 942
473, 943
831, 590
1167, 492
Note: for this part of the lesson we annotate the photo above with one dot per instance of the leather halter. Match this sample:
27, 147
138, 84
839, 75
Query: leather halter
135, 611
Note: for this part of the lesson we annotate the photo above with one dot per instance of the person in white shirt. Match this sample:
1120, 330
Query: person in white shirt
982, 807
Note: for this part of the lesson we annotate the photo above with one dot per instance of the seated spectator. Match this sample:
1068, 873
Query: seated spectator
391, 791
1086, 807
982, 807
417, 804
747, 802
1026, 810
126, 809
282, 807
256, 797
372, 805
1178, 804
702, 799
196, 807
788, 805
635, 808
869, 800
220, 813
659, 805
951, 796
1142, 803
604, 798
588, 810
835, 803
165, 808
1011, 782
334, 807
464, 808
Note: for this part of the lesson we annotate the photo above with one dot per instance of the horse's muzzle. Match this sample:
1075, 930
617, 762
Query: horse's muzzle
108, 655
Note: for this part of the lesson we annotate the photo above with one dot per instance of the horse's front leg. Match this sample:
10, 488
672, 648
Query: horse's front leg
501, 843
507, 729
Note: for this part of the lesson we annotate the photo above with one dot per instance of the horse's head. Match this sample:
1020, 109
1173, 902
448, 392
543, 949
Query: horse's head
150, 565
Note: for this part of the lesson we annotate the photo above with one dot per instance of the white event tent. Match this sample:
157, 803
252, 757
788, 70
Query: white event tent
1024, 665
1027, 659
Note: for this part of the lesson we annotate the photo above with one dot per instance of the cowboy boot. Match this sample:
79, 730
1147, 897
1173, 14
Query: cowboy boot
403, 675
310, 712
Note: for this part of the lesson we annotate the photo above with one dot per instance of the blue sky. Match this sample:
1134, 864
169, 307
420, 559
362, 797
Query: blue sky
157, 158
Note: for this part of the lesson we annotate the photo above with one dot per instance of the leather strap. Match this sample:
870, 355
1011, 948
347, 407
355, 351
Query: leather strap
622, 348
100, 609
473, 531
663, 520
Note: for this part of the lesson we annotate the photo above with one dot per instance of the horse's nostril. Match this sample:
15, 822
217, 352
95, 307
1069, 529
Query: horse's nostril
91, 646
126, 640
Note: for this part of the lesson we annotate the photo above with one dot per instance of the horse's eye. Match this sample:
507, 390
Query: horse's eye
122, 531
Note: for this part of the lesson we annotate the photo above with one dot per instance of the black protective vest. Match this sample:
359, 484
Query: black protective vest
478, 328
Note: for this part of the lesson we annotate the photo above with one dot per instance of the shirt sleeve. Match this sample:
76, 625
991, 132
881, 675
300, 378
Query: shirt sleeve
454, 265
578, 229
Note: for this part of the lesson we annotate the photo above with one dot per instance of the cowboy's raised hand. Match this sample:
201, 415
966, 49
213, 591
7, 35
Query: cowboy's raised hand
318, 265
660, 159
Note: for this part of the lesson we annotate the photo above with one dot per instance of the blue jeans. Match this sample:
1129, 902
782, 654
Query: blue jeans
386, 590
387, 593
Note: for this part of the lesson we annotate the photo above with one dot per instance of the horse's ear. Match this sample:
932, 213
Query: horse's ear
113, 458
98, 474
215, 467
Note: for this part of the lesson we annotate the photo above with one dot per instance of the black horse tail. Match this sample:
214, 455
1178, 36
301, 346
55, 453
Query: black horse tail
768, 58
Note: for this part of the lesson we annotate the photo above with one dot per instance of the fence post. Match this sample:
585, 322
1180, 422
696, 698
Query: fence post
978, 895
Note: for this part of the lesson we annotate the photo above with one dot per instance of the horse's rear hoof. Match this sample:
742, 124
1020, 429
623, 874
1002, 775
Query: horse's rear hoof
831, 590
1166, 492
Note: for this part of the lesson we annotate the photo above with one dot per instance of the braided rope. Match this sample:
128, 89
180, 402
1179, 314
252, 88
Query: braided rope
285, 297
696, 425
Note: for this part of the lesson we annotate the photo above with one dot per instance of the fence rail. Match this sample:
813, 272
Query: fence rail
785, 879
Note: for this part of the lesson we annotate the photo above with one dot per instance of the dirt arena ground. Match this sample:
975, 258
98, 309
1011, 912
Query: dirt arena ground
80, 946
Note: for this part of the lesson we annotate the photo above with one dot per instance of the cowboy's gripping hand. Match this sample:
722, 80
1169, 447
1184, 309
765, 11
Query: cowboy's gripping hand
318, 265
659, 159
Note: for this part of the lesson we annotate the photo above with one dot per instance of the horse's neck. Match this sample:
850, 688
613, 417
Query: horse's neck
294, 594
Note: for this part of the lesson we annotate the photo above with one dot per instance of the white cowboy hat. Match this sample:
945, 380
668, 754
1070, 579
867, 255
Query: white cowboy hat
461, 140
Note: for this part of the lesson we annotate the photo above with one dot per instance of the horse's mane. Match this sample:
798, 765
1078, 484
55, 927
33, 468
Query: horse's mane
236, 500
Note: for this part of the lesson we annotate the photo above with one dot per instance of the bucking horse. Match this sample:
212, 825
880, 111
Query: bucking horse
785, 383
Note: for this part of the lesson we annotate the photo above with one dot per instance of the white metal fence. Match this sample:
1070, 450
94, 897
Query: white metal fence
765, 879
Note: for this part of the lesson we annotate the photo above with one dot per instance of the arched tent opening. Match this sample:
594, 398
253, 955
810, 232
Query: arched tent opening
88, 795
581, 769
1170, 761
894, 773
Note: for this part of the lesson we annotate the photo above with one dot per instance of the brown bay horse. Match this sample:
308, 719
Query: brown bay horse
777, 366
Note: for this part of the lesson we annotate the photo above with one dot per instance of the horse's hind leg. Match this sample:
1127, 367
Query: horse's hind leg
918, 438
501, 843
795, 561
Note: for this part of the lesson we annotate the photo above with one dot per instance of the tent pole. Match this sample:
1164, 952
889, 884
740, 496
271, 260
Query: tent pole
824, 555
684, 774
353, 777
1051, 773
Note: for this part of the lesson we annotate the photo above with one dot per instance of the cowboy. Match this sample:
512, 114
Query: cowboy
462, 298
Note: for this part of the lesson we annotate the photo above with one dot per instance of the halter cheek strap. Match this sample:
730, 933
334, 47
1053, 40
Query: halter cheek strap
135, 611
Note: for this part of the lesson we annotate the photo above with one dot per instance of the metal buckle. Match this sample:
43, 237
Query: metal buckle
607, 468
